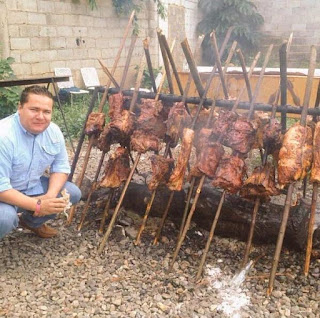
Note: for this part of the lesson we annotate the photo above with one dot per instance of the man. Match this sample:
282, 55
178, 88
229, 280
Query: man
29, 144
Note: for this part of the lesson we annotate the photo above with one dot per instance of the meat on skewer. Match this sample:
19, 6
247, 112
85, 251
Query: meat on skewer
315, 170
295, 155
224, 122
229, 174
121, 125
241, 135
176, 179
117, 169
142, 142
161, 170
209, 154
260, 184
178, 119
272, 137
95, 124
150, 127
152, 117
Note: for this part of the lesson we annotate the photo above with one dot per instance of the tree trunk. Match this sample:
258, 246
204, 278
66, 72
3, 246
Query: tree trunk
235, 215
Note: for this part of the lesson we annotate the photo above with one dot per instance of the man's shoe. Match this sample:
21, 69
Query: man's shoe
44, 231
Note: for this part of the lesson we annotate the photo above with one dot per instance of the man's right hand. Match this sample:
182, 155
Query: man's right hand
51, 206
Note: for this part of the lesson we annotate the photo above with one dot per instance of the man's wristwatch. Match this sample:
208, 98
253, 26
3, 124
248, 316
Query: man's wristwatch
38, 206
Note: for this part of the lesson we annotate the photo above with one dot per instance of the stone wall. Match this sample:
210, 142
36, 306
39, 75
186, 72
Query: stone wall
43, 34
302, 17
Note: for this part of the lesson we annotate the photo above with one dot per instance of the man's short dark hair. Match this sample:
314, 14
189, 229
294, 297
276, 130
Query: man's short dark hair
36, 90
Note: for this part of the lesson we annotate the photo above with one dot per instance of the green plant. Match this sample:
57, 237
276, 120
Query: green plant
219, 15
124, 7
146, 79
9, 96
75, 116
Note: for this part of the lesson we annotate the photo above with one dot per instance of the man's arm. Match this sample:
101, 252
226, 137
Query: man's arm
14, 197
56, 182
48, 206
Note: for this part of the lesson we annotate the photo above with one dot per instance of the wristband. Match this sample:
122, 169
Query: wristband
37, 210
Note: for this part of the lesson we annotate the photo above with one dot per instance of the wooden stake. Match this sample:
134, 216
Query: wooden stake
213, 227
312, 63
117, 209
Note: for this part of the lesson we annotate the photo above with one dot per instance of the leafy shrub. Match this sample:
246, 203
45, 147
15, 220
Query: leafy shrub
219, 15
75, 116
146, 78
9, 96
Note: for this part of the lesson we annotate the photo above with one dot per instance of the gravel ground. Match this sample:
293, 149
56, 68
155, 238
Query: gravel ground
65, 277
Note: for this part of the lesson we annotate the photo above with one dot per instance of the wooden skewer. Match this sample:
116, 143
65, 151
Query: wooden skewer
104, 96
193, 74
311, 228
173, 65
217, 214
106, 210
117, 209
92, 189
165, 61
313, 207
149, 63
111, 78
92, 138
303, 119
100, 108
202, 179
153, 194
258, 200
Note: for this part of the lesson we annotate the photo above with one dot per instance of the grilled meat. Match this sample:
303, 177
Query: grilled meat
272, 137
95, 124
178, 119
260, 184
229, 174
224, 123
161, 170
315, 170
295, 155
142, 141
176, 179
152, 118
241, 135
117, 169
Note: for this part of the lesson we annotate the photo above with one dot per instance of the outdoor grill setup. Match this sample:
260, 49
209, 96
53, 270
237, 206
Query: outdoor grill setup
221, 132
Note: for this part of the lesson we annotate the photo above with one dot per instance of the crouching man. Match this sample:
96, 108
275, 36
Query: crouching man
29, 144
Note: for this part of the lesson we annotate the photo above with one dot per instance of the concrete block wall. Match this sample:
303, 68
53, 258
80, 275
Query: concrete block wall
302, 17
43, 34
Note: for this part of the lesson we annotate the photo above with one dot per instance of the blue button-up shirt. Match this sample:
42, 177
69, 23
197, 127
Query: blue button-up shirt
24, 157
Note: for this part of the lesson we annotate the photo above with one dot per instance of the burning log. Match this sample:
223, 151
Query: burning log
235, 214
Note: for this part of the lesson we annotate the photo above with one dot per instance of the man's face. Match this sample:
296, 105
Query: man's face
35, 115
